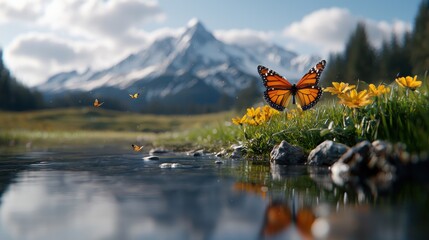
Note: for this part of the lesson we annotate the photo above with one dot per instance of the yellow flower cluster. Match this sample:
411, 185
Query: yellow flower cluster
351, 98
256, 116
409, 82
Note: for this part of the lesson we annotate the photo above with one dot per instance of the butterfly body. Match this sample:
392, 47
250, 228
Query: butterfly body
279, 90
293, 91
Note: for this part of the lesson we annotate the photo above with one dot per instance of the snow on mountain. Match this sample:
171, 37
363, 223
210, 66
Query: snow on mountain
171, 65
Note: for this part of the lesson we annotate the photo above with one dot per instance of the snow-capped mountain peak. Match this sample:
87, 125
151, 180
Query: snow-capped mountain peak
186, 64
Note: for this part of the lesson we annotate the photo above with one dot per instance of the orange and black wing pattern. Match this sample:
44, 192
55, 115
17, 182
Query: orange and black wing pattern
278, 89
313, 76
309, 96
308, 93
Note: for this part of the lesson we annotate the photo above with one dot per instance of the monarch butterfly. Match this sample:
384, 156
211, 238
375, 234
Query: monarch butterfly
97, 103
136, 147
135, 95
279, 90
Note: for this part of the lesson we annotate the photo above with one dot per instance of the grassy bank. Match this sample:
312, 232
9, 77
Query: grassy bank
397, 113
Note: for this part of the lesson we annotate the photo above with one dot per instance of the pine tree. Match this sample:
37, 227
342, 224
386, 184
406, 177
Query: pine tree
420, 40
335, 69
13, 95
360, 58
394, 58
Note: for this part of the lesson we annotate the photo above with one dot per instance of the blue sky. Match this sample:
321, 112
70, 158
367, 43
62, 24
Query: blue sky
275, 14
44, 37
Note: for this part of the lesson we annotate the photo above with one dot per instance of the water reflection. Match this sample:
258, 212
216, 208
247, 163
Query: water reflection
301, 209
123, 197
108, 195
47, 205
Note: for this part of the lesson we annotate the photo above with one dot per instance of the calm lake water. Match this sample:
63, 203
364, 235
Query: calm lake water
108, 193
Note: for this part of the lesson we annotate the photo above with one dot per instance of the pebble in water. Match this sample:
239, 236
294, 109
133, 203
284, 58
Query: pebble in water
174, 165
165, 165
150, 158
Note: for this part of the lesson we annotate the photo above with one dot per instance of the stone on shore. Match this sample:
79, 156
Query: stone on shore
287, 154
326, 153
237, 151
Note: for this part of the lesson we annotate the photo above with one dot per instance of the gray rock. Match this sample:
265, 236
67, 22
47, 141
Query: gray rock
221, 153
286, 154
237, 151
373, 168
236, 154
150, 158
326, 153
377, 165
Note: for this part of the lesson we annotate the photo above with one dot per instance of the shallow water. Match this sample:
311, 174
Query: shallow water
114, 194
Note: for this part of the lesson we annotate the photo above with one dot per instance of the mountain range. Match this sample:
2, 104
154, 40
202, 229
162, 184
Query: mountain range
192, 72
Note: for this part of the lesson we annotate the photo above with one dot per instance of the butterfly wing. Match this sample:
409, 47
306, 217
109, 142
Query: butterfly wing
278, 89
308, 97
308, 93
312, 77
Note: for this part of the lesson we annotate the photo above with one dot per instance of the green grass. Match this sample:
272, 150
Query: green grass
98, 119
77, 126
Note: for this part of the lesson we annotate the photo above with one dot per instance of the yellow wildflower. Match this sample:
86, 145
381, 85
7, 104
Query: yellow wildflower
354, 99
239, 121
409, 82
253, 112
339, 88
377, 91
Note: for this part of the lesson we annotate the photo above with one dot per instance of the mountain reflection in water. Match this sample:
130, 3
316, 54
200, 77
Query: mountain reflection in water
108, 195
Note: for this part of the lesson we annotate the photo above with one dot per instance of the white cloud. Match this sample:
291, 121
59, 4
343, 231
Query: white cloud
33, 57
81, 34
23, 10
243, 36
119, 21
329, 29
